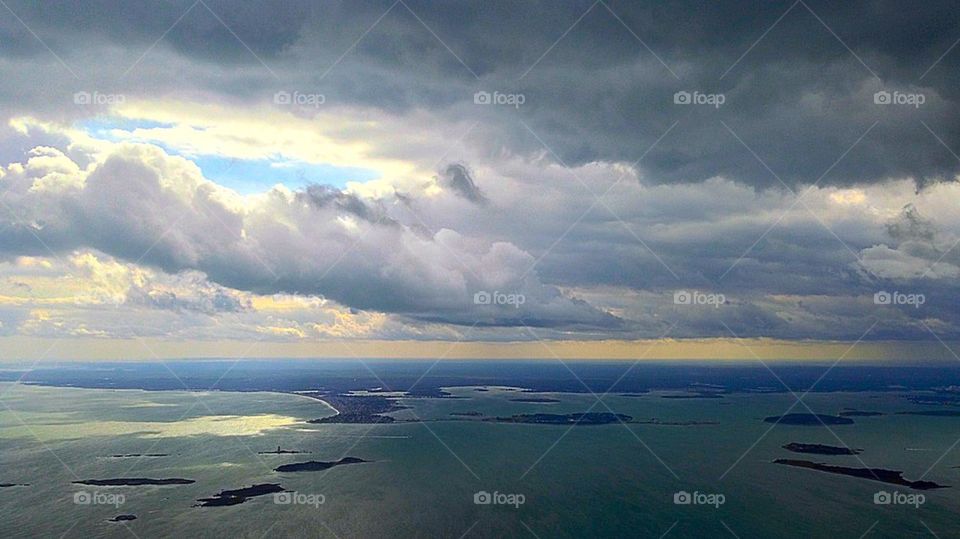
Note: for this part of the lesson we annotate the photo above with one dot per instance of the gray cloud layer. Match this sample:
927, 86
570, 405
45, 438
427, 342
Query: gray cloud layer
798, 107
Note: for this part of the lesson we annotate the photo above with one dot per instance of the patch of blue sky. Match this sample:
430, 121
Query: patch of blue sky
102, 127
247, 176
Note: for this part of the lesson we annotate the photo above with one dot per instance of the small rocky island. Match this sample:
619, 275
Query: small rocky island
280, 451
8, 485
317, 465
133, 482
808, 419
820, 449
933, 413
238, 496
138, 455
860, 413
892, 477
122, 518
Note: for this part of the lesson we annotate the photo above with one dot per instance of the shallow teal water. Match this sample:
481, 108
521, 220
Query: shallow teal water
609, 481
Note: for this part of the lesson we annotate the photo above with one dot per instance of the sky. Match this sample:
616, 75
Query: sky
479, 179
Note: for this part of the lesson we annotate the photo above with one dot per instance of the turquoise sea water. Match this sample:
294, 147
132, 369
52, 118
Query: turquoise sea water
608, 481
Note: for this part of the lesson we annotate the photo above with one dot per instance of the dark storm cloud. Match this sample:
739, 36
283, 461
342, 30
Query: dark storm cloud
798, 97
322, 196
457, 177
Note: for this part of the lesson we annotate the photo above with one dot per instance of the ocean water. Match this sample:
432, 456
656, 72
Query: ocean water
611, 480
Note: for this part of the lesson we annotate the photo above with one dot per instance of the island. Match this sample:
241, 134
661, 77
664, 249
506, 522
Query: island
933, 413
122, 518
138, 455
892, 477
820, 449
8, 485
471, 413
808, 419
660, 422
317, 465
586, 418
693, 396
936, 400
353, 409
238, 496
543, 400
133, 482
282, 452
859, 413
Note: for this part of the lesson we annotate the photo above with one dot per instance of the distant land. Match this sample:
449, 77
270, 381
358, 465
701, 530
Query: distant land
133, 482
238, 496
874, 474
544, 400
317, 465
588, 418
820, 449
808, 419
